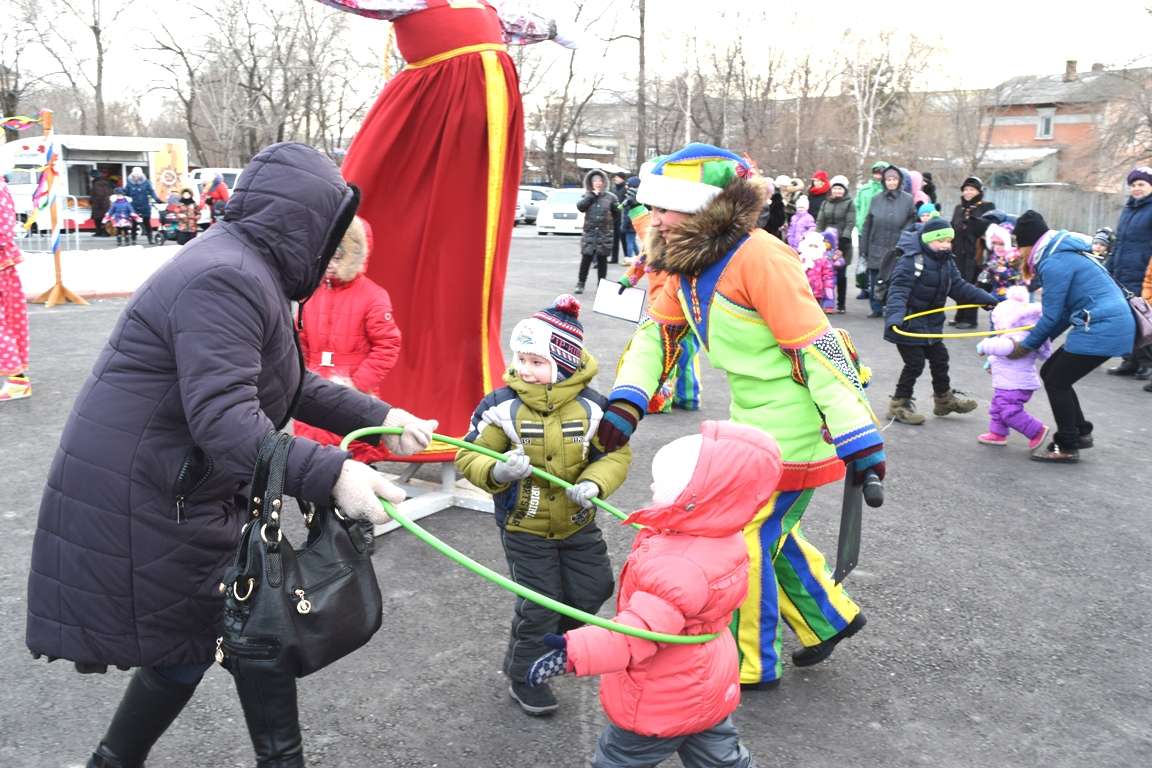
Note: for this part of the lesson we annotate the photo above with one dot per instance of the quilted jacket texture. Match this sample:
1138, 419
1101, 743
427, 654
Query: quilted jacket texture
686, 574
145, 497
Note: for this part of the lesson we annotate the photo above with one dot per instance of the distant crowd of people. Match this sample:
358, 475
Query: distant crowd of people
125, 211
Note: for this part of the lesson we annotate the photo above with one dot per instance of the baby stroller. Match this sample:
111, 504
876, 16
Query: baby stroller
167, 229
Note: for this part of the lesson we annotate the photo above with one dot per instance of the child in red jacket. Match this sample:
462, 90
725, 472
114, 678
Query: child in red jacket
687, 573
348, 333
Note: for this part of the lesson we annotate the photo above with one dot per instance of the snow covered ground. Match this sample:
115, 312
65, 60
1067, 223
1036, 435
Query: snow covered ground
104, 272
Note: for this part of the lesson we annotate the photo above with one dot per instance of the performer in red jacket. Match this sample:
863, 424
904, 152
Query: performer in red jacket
348, 333
446, 135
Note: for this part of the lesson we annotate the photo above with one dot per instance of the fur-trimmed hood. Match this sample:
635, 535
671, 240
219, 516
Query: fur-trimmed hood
706, 237
355, 247
593, 174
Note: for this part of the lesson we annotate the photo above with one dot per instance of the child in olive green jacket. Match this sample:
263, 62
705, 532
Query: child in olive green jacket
545, 417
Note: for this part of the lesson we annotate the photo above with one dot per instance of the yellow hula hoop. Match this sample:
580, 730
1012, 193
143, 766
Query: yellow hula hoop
960, 335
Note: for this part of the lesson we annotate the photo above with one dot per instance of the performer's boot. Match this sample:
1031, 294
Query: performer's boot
579, 288
268, 697
150, 704
814, 654
903, 410
951, 402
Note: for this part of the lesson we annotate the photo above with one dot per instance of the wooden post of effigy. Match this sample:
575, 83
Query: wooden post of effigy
57, 294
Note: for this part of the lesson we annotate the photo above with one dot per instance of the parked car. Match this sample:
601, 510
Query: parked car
520, 213
558, 213
532, 196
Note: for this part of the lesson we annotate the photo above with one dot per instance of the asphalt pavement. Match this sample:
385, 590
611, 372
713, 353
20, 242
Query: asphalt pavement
1007, 601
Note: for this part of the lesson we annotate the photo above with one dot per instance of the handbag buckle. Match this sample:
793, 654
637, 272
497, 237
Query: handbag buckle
305, 605
264, 537
248, 594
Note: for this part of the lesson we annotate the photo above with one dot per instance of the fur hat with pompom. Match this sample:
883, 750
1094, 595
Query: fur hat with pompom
554, 332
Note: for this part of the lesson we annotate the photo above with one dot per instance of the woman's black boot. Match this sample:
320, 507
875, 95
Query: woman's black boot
268, 696
150, 704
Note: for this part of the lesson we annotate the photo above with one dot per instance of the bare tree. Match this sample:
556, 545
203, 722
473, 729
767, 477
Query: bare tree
810, 84
15, 82
641, 38
60, 48
756, 90
183, 66
974, 116
877, 74
561, 116
1125, 136
715, 92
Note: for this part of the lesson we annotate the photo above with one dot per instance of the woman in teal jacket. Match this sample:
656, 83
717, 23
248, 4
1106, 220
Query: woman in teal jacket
1078, 294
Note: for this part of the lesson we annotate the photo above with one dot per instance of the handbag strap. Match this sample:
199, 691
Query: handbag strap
1128, 295
268, 476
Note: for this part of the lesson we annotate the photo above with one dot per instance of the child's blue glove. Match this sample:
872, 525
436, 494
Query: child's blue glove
550, 665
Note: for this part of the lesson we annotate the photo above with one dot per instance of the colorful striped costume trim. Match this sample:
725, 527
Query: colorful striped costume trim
788, 579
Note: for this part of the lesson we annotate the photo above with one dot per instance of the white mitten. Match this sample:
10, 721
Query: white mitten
357, 489
583, 492
417, 433
516, 468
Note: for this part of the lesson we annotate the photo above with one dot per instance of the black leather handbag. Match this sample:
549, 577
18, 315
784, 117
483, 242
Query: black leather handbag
296, 609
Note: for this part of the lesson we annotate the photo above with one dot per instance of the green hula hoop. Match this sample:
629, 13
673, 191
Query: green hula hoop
500, 580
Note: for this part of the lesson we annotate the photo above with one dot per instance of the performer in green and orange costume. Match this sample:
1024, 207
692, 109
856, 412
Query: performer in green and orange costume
743, 294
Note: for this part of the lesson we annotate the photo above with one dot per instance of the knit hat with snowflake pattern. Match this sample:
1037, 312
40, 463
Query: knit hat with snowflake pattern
555, 333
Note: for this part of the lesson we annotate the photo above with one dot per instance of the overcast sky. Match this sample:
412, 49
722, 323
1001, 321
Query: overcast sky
978, 44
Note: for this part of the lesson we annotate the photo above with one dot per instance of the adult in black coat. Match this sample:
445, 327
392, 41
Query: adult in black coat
619, 189
968, 247
99, 200
772, 215
929, 189
600, 210
145, 498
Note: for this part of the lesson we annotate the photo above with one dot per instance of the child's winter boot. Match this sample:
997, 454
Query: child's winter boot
903, 409
953, 402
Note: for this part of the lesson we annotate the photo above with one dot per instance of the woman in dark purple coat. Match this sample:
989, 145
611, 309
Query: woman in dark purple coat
146, 495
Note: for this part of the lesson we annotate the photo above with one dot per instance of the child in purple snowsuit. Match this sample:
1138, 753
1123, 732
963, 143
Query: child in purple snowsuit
1013, 381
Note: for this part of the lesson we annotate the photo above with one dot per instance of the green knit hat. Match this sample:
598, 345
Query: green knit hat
937, 229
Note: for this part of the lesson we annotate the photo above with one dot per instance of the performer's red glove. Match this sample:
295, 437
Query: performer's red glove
869, 460
617, 425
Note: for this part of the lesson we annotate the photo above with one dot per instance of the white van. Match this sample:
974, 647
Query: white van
164, 161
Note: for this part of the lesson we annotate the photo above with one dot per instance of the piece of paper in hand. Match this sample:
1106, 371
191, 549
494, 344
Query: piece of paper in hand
628, 305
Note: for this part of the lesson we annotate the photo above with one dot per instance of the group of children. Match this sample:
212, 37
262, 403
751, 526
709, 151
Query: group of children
922, 281
687, 572
181, 216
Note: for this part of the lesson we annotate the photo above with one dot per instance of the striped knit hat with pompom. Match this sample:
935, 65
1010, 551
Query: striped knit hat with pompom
554, 332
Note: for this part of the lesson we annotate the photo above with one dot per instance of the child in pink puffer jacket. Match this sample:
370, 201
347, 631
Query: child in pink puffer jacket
687, 573
1013, 381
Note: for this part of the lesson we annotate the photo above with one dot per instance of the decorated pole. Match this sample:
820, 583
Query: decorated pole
46, 197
